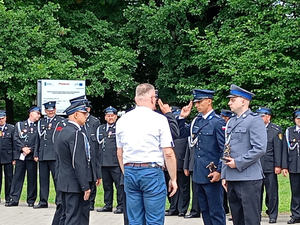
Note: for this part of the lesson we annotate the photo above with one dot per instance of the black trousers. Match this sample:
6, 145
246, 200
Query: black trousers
8, 177
45, 167
86, 208
271, 185
295, 201
58, 218
179, 202
195, 210
30, 167
245, 201
72, 204
110, 175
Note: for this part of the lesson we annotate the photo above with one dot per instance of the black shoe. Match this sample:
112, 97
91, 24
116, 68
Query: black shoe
292, 221
229, 218
171, 214
191, 216
104, 209
92, 208
30, 204
181, 214
118, 211
39, 206
272, 220
167, 210
9, 204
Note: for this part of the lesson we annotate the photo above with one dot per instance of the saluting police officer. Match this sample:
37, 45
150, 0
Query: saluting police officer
291, 165
48, 128
110, 168
24, 136
179, 202
6, 153
207, 138
271, 163
246, 142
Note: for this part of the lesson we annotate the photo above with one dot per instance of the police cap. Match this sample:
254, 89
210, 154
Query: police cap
236, 91
202, 94
50, 105
110, 110
77, 106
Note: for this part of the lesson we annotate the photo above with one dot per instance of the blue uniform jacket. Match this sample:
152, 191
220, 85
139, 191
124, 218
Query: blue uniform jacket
209, 146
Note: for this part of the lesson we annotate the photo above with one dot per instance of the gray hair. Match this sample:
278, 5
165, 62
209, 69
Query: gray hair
143, 89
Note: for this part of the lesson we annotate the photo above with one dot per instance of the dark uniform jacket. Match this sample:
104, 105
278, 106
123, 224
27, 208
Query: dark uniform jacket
209, 137
291, 150
47, 132
24, 135
7, 144
272, 158
91, 126
180, 149
72, 158
107, 145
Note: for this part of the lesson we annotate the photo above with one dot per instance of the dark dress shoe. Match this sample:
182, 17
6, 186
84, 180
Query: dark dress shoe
166, 210
191, 216
30, 204
104, 209
40, 206
118, 211
272, 220
92, 208
171, 214
292, 221
181, 214
9, 204
230, 219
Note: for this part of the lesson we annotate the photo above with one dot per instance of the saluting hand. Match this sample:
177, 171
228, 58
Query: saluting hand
186, 110
165, 108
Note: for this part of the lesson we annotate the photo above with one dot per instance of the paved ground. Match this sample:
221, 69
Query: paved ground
24, 215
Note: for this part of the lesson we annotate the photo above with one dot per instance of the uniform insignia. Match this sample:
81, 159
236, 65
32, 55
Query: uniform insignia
280, 136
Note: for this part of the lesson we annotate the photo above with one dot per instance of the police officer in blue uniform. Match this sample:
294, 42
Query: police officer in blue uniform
242, 174
24, 136
207, 138
110, 168
271, 162
48, 128
179, 202
6, 153
291, 165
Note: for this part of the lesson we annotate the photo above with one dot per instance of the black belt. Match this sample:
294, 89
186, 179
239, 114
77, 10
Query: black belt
147, 165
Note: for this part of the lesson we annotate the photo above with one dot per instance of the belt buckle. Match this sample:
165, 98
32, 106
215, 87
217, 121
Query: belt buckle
152, 165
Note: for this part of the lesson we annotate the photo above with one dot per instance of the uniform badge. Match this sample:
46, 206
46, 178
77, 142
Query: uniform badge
280, 136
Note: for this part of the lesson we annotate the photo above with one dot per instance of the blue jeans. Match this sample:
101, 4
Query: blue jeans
146, 192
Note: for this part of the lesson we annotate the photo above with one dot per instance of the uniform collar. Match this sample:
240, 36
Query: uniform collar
207, 114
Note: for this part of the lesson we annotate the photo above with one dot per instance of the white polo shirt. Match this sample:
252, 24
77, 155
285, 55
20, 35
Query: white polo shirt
142, 133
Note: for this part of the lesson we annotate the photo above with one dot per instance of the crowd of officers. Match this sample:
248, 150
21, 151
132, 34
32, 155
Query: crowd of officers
37, 142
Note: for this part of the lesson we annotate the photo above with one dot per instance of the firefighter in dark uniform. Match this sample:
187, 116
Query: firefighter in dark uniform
179, 202
6, 153
271, 163
207, 135
291, 165
111, 172
74, 157
90, 128
24, 136
48, 128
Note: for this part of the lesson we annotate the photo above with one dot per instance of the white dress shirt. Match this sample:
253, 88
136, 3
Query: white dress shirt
142, 133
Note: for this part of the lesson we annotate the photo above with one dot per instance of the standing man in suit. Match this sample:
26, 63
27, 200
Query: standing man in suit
207, 135
24, 136
44, 153
110, 168
179, 202
271, 163
6, 153
291, 165
242, 174
73, 149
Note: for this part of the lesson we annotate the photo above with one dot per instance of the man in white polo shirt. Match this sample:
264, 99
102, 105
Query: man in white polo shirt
144, 147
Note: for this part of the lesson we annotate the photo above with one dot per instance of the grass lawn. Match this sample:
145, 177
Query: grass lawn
284, 195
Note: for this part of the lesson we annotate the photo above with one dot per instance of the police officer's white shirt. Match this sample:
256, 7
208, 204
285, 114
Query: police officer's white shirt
297, 128
142, 133
207, 114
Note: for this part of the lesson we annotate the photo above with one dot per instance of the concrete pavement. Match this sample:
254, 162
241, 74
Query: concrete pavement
24, 215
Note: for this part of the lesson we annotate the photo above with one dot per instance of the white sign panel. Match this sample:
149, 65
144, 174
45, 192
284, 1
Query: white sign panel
60, 91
